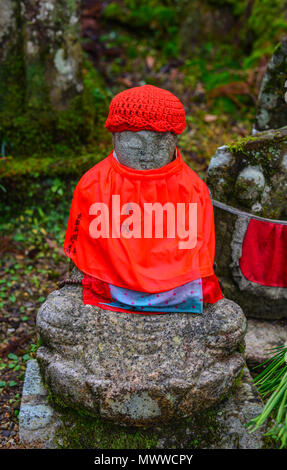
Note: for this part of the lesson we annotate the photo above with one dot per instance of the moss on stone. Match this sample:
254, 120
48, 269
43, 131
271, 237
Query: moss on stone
263, 149
253, 144
12, 73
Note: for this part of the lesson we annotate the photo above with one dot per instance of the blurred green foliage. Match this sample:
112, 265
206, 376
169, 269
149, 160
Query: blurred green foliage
43, 213
211, 42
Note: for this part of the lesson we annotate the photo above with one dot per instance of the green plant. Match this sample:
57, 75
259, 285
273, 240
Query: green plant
14, 362
272, 383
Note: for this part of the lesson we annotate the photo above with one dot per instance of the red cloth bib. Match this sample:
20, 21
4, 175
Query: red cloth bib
264, 253
96, 292
142, 264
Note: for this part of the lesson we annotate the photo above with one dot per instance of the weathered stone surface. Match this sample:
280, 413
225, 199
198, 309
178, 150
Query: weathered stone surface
250, 176
37, 419
224, 426
272, 107
221, 427
261, 337
138, 369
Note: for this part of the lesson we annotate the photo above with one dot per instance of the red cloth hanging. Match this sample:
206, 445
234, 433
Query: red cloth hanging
264, 253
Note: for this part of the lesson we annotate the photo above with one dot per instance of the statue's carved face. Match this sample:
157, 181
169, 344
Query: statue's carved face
144, 150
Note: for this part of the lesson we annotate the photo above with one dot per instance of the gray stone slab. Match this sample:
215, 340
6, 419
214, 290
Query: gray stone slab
33, 384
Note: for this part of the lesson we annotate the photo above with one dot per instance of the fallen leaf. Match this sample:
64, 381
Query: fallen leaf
209, 118
125, 81
173, 74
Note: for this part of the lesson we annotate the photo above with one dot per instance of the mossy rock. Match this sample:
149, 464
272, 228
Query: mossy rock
221, 427
249, 176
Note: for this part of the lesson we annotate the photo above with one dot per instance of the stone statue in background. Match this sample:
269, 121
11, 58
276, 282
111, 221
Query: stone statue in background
250, 178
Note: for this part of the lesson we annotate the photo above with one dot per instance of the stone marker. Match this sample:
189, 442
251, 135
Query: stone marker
37, 421
272, 108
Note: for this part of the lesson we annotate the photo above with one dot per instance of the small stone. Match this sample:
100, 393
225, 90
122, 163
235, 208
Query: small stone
126, 367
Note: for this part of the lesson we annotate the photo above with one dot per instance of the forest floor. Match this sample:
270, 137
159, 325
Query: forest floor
32, 262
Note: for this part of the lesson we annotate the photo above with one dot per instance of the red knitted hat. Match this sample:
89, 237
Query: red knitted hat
146, 108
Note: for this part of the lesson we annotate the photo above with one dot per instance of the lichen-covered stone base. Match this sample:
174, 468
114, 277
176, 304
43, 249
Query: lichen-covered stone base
220, 427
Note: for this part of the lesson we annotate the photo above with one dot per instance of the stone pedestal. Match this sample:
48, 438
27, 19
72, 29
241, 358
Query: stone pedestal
221, 427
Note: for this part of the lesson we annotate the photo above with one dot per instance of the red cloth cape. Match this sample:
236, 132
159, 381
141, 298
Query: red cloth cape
264, 253
144, 264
